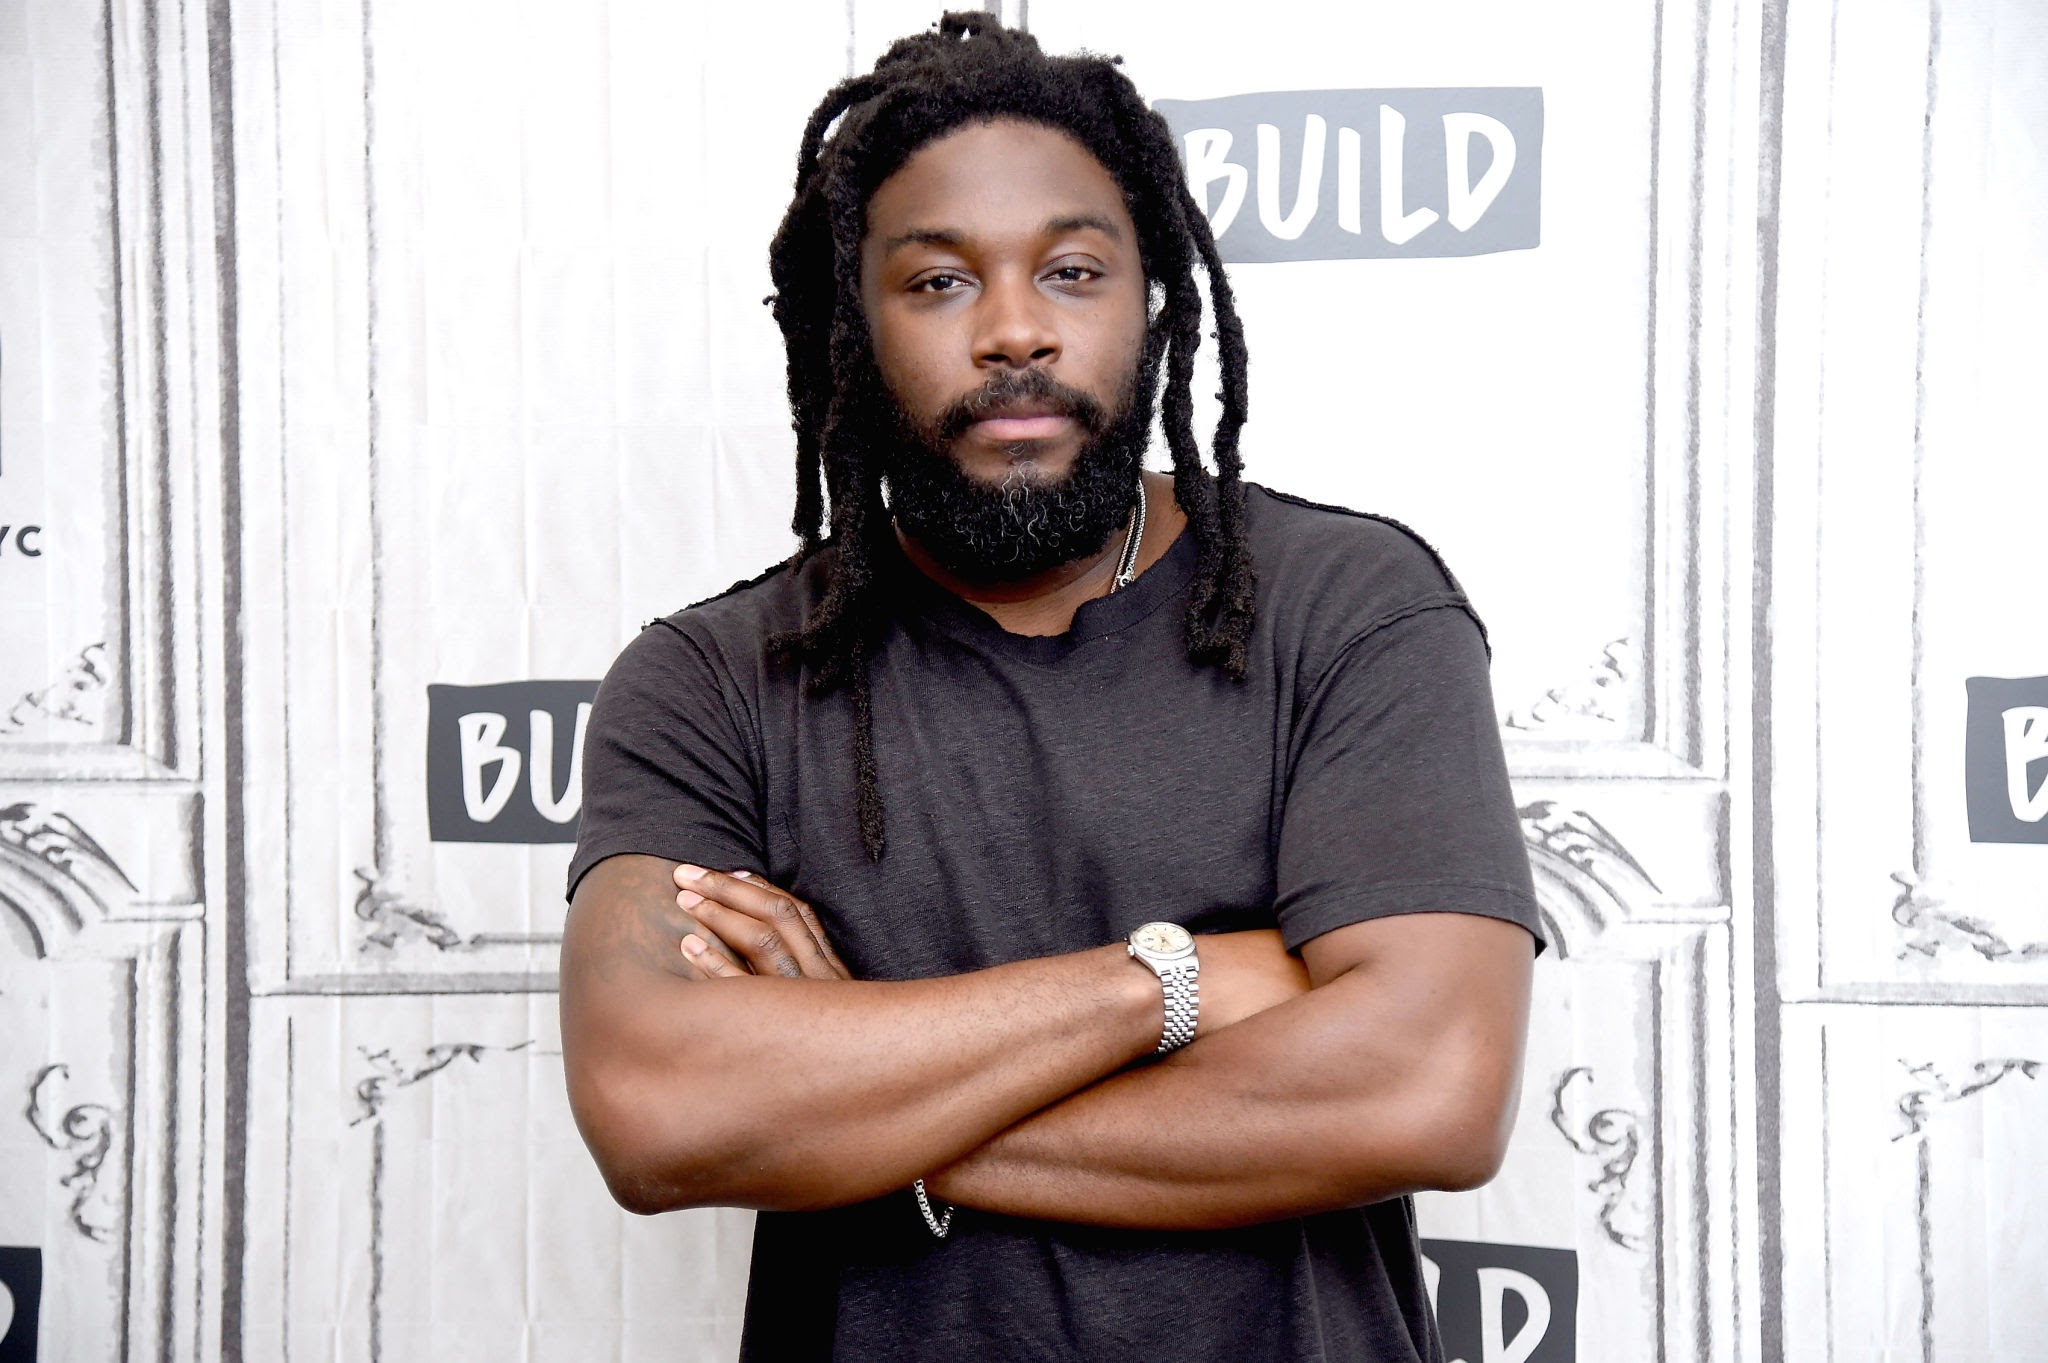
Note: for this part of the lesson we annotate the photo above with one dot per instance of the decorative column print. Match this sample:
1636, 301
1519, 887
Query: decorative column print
392, 918
1612, 1136
1932, 1088
64, 701
1930, 927
85, 1131
395, 1073
1586, 844
56, 838
1599, 699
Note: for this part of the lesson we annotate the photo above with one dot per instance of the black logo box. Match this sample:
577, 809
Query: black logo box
21, 1302
2005, 759
1524, 1280
486, 781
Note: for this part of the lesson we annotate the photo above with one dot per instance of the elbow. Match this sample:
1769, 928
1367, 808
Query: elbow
638, 1193
651, 1162
1459, 1140
670, 1155
1463, 1165
647, 1177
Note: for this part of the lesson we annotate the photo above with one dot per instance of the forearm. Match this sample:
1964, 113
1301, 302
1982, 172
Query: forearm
776, 1093
1317, 1104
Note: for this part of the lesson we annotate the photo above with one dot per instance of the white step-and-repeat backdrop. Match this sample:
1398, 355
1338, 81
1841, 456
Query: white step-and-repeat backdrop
371, 369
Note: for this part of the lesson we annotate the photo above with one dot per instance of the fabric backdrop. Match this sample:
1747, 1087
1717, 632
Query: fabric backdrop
371, 369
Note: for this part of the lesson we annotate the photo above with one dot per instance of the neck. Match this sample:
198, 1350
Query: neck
1044, 603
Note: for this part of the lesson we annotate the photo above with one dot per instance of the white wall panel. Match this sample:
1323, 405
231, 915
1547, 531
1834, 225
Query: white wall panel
1909, 275
1913, 1226
425, 1196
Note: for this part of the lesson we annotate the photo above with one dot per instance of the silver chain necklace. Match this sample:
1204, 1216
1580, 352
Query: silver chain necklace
1127, 561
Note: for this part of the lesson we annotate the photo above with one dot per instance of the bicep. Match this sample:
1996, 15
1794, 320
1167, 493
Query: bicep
623, 980
1446, 962
1438, 1003
1397, 794
1445, 982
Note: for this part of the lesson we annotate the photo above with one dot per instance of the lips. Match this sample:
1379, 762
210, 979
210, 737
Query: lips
1014, 405
1023, 422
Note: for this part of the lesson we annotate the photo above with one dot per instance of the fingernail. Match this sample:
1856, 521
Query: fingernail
688, 872
688, 899
693, 945
742, 875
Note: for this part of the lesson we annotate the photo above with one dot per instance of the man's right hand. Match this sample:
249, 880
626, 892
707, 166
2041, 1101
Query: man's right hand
751, 927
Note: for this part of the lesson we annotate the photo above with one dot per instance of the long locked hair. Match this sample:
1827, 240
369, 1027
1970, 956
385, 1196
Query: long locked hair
972, 69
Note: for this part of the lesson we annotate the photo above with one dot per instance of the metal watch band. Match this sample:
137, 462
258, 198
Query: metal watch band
1183, 990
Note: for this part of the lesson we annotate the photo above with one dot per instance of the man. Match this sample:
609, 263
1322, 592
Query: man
876, 917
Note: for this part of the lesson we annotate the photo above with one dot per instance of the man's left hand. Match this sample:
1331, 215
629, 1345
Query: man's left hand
748, 926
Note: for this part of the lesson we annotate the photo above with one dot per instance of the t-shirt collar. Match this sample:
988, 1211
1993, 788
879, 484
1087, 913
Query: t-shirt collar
919, 596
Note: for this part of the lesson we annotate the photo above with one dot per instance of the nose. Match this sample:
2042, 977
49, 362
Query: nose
1014, 325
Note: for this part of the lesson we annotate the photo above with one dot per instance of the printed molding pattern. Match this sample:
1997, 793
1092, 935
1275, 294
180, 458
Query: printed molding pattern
55, 838
1584, 843
1613, 1136
1931, 1088
1929, 928
393, 1073
62, 700
392, 918
1599, 699
86, 1129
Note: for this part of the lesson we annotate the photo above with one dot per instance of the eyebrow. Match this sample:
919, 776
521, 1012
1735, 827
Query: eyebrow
1076, 222
939, 236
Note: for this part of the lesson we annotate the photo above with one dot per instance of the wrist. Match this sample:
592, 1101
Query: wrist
1167, 951
1136, 995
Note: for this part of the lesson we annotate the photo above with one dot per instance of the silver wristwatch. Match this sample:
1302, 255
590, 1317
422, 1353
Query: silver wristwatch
1169, 950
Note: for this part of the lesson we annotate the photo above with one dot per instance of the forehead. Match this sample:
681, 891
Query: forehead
994, 178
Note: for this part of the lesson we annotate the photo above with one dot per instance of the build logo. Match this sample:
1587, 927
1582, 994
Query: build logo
2005, 759
1349, 174
505, 762
1503, 1303
21, 1297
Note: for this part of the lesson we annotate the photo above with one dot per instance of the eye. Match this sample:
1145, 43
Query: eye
1075, 274
942, 282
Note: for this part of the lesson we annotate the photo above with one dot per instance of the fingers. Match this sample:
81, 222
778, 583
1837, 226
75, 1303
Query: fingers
708, 960
817, 930
760, 945
774, 932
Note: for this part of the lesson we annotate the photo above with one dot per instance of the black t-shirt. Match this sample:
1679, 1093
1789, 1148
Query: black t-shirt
1046, 795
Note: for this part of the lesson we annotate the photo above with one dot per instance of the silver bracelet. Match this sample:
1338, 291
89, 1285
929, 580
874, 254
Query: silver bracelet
939, 1224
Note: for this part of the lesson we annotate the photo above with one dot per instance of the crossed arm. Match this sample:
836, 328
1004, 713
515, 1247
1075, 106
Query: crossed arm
755, 1073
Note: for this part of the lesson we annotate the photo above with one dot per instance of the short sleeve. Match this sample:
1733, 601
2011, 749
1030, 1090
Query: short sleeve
1397, 794
669, 761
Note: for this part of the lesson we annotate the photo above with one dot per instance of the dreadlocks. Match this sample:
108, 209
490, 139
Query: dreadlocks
969, 70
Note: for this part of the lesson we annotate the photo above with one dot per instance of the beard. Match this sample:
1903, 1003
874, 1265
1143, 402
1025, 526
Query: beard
1025, 524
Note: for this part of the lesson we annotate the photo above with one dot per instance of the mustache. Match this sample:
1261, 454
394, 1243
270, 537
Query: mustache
1006, 386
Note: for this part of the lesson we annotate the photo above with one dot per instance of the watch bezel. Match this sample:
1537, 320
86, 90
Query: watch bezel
1178, 953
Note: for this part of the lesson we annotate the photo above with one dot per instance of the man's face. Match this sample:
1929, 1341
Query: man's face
1002, 288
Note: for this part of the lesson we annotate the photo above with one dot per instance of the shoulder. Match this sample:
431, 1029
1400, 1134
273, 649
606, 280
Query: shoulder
1340, 573
731, 629
721, 641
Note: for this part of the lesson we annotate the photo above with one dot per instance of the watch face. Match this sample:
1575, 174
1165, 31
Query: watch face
1162, 939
